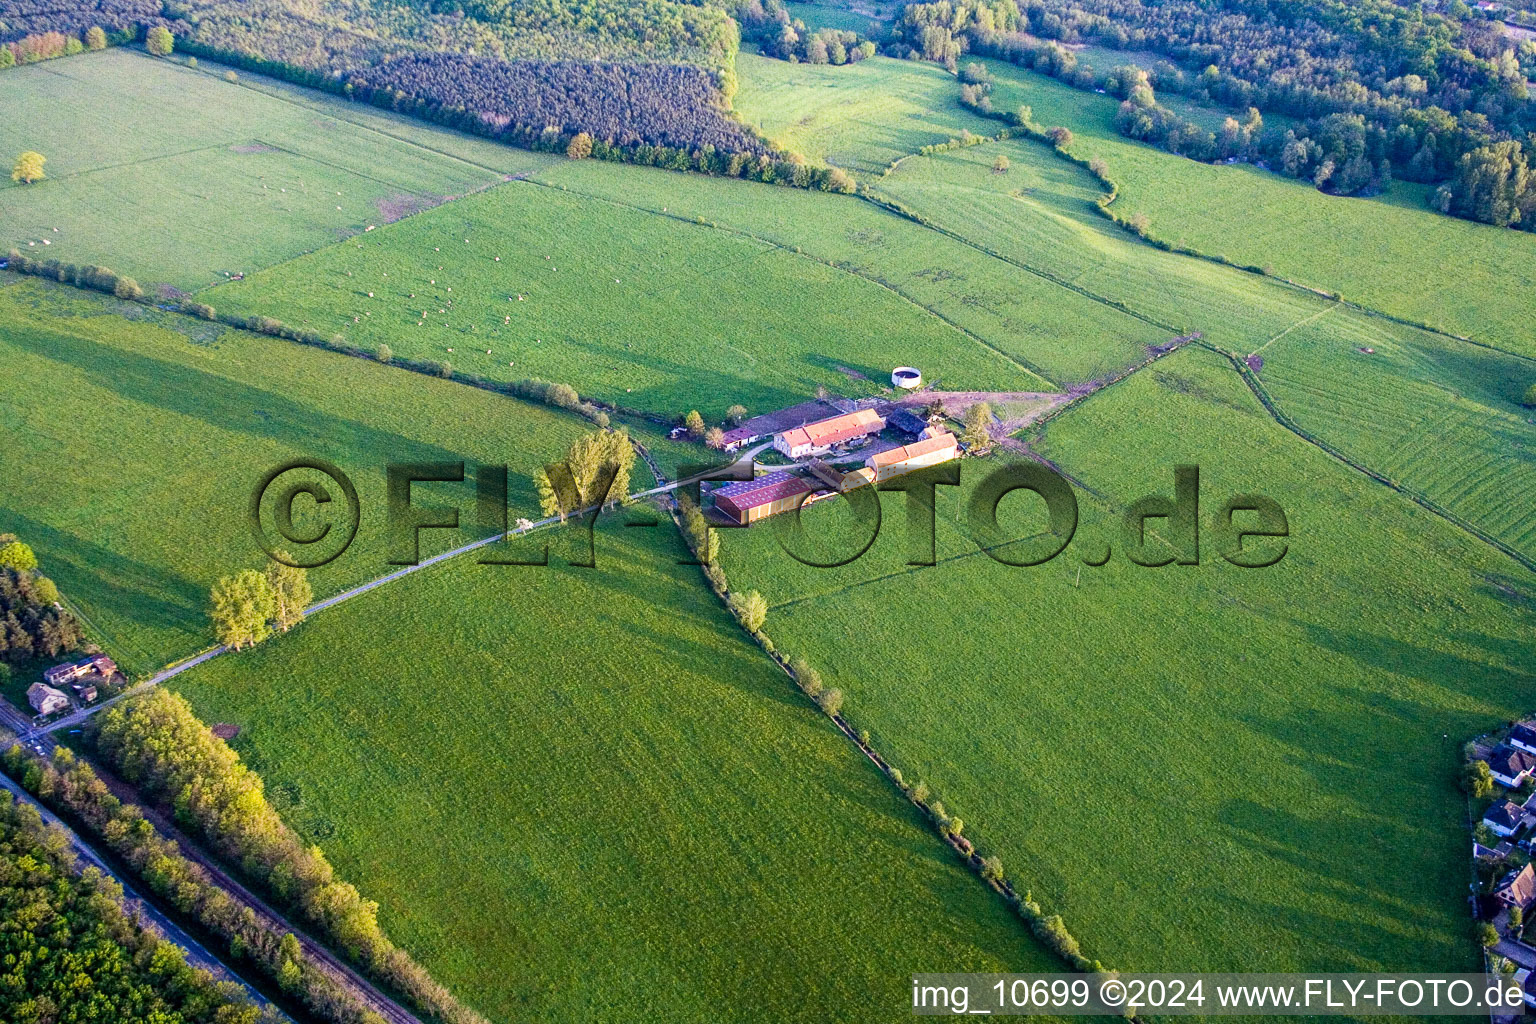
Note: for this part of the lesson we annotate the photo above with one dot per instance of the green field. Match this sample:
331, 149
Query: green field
1439, 417
861, 117
647, 311
133, 446
1468, 279
819, 16
1235, 768
175, 176
579, 794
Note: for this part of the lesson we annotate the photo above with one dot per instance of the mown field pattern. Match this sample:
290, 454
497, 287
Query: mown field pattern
1468, 279
860, 117
1060, 333
132, 452
579, 794
1202, 764
220, 178
1440, 417
647, 311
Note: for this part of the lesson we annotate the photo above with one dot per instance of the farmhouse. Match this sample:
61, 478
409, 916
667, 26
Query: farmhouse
1517, 889
45, 700
1523, 737
751, 500
1504, 817
818, 437
928, 452
1510, 767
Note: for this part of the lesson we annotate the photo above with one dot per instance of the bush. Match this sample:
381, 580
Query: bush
580, 146
1529, 398
127, 288
159, 41
201, 310
95, 38
831, 701
384, 354
230, 76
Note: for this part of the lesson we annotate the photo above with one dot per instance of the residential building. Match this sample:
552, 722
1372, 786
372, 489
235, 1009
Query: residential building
1510, 767
1523, 737
45, 700
818, 438
751, 500
1504, 817
62, 675
1517, 889
928, 452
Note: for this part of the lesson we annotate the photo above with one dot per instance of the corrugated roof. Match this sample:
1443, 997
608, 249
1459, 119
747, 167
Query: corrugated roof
927, 446
765, 489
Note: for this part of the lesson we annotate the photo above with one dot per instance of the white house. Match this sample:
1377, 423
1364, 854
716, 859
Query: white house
1523, 737
1503, 818
1510, 767
819, 437
45, 700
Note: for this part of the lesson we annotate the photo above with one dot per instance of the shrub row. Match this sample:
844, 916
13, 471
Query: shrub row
73, 788
80, 275
157, 744
749, 610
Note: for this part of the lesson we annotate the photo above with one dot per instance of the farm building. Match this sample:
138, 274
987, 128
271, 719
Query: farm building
906, 421
751, 500
928, 452
45, 700
818, 437
1510, 767
759, 428
838, 480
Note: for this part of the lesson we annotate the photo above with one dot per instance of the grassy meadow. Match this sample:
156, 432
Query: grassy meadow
1440, 417
135, 444
1238, 768
860, 117
648, 311
1468, 279
580, 794
1060, 333
173, 175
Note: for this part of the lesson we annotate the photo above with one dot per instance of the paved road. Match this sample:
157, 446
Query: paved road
198, 955
1518, 952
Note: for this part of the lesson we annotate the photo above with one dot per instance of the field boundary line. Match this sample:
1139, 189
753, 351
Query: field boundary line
1299, 323
1016, 361
1422, 500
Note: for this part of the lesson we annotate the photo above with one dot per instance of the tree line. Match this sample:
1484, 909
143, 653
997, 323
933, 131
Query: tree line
73, 788
32, 30
82, 955
33, 621
1381, 90
768, 24
157, 744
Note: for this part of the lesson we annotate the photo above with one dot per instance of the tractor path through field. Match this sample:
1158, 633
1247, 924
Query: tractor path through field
198, 955
32, 736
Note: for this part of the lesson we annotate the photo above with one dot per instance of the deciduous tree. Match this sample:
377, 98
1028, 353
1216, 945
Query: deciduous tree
242, 608
28, 167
